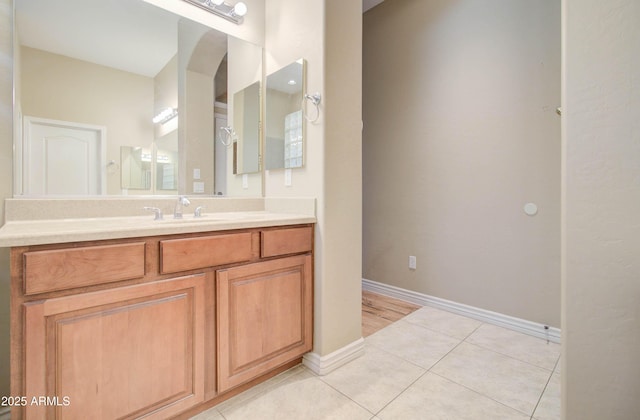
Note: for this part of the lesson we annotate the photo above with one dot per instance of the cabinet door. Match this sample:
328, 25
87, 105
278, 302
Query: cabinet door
264, 317
118, 353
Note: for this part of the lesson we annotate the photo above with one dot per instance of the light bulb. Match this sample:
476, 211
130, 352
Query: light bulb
240, 9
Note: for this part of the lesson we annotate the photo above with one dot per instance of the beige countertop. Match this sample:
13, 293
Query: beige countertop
37, 232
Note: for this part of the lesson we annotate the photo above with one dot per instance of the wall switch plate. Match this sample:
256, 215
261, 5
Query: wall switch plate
412, 262
196, 173
198, 187
287, 177
245, 181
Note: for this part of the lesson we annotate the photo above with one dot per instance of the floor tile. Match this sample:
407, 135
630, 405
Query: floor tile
414, 343
374, 379
261, 388
301, 396
210, 414
549, 406
512, 382
433, 397
444, 322
520, 346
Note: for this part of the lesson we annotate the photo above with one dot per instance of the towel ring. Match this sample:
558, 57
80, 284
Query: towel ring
227, 136
315, 99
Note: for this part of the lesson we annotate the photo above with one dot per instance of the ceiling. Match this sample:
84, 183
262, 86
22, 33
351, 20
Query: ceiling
133, 36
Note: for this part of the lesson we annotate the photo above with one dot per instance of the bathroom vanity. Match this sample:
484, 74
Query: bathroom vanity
160, 324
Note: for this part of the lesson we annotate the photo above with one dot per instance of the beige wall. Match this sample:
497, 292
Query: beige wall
460, 132
328, 35
601, 210
83, 92
6, 169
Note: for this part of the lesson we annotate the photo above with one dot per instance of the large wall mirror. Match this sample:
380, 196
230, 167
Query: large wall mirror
284, 128
121, 97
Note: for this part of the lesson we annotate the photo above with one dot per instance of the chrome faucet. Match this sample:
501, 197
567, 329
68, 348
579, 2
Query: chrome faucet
182, 201
156, 211
198, 211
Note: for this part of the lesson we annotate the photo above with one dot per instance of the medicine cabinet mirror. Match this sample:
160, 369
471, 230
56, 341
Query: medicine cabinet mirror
113, 66
246, 123
284, 128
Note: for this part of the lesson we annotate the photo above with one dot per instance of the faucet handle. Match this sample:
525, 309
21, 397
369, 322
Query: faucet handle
156, 211
198, 211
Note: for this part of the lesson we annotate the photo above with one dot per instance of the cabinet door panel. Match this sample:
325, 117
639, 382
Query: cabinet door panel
264, 317
128, 352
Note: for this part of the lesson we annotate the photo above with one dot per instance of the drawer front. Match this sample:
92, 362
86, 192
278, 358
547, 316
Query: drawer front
46, 271
286, 241
193, 253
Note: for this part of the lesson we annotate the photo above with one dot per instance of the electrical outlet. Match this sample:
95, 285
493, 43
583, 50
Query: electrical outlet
412, 262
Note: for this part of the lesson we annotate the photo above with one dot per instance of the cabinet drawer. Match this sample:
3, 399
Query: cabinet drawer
45, 271
286, 241
193, 253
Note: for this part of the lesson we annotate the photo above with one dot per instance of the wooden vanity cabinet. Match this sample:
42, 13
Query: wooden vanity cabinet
155, 327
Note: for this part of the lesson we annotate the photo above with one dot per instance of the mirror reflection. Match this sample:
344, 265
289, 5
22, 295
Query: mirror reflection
246, 122
114, 66
167, 163
283, 117
135, 167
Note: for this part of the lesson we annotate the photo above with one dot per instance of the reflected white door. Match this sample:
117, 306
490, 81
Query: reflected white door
63, 158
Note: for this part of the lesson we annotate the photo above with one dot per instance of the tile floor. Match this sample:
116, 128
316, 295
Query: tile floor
431, 364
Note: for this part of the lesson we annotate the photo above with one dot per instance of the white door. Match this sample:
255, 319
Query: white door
63, 158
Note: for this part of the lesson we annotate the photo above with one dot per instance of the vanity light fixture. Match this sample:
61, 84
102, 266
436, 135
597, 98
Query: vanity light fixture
165, 115
221, 8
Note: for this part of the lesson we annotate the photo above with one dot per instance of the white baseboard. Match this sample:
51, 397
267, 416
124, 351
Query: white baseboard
322, 365
516, 324
5, 413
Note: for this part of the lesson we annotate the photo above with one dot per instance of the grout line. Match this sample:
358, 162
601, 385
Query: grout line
426, 370
509, 356
402, 392
480, 394
438, 331
345, 395
473, 390
464, 340
542, 393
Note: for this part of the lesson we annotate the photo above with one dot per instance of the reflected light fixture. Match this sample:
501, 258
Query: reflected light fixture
165, 115
221, 8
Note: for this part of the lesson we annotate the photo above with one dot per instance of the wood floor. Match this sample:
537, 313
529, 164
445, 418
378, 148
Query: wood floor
378, 311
